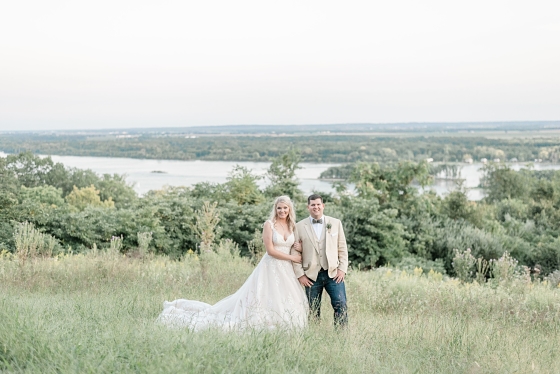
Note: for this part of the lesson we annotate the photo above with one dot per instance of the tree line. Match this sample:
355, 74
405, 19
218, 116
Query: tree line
387, 220
315, 148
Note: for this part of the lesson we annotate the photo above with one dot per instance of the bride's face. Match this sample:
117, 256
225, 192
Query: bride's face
282, 211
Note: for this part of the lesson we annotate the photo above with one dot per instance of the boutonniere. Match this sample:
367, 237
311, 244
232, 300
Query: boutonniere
329, 227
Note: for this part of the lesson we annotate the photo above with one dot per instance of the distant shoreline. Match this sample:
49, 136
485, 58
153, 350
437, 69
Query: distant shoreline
336, 128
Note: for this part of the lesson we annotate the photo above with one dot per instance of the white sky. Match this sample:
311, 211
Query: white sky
120, 63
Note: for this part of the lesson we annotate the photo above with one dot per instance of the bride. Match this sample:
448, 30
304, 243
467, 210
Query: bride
270, 298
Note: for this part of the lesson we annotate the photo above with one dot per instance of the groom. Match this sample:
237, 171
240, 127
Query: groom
324, 260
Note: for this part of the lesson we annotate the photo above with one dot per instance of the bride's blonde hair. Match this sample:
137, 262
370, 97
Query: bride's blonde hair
291, 219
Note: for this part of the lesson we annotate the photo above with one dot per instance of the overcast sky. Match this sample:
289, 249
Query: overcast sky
120, 63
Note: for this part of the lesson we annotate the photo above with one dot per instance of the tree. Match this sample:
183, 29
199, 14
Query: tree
389, 184
114, 187
501, 182
242, 186
282, 176
48, 195
30, 170
80, 198
374, 236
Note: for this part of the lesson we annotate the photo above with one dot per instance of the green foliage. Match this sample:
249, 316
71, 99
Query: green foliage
46, 195
546, 255
116, 245
374, 236
282, 176
207, 219
114, 187
456, 205
256, 247
503, 268
501, 182
144, 239
511, 208
173, 210
451, 235
335, 148
80, 198
31, 243
239, 223
30, 170
463, 264
389, 222
387, 183
242, 186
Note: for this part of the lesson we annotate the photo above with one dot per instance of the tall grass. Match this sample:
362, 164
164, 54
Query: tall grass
96, 313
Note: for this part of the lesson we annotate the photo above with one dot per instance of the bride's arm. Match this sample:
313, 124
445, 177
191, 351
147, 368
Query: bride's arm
267, 239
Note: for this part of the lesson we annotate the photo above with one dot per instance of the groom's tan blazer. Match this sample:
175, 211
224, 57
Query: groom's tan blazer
331, 244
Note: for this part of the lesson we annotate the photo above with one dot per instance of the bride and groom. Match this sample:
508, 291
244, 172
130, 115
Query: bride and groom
311, 253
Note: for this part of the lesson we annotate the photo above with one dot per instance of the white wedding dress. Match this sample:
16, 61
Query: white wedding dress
270, 298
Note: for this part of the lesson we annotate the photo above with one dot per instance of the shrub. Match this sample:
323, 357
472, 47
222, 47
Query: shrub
31, 243
460, 234
144, 239
546, 255
463, 265
374, 237
503, 268
554, 278
513, 208
256, 247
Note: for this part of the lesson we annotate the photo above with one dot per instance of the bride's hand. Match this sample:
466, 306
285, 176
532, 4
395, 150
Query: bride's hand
296, 259
297, 246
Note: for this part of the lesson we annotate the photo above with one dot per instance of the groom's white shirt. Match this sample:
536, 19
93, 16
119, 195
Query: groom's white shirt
318, 227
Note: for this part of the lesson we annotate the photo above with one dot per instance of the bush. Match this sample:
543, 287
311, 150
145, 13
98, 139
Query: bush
374, 237
547, 256
452, 235
513, 208
503, 268
463, 264
240, 222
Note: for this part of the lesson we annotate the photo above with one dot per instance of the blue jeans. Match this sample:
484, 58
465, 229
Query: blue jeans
337, 293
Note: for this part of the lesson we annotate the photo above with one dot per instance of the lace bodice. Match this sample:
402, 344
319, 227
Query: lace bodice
278, 240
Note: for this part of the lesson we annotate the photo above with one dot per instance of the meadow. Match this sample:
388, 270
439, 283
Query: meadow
95, 312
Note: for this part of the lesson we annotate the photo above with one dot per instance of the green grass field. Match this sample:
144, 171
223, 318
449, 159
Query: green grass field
96, 313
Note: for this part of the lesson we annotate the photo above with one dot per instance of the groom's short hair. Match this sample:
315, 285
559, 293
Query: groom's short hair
314, 197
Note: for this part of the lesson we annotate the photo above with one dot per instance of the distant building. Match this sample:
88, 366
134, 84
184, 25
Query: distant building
513, 160
428, 160
469, 160
484, 160
496, 160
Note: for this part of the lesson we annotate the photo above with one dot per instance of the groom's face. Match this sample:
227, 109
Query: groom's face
316, 208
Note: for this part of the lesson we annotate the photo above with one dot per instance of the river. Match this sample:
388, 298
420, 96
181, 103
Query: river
149, 175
